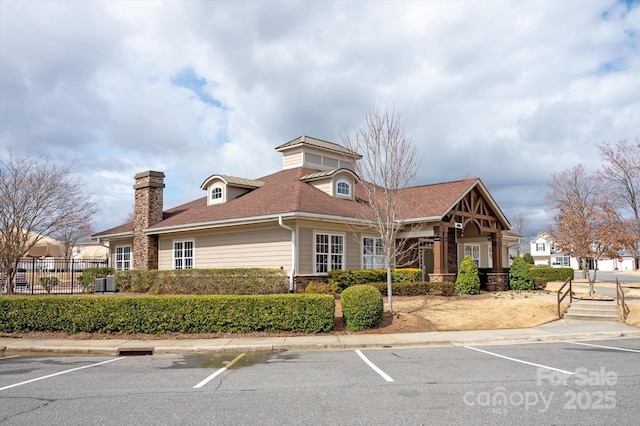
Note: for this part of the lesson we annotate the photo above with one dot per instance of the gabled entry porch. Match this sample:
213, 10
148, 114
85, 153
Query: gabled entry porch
473, 227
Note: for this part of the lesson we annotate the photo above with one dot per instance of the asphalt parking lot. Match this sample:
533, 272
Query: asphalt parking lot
586, 382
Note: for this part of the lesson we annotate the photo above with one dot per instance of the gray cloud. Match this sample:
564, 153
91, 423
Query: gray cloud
507, 91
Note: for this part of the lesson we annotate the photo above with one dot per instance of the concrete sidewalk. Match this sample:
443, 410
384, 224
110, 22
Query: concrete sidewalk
561, 330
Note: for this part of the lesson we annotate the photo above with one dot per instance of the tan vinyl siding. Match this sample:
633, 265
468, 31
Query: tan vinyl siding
305, 251
352, 260
251, 248
324, 186
292, 159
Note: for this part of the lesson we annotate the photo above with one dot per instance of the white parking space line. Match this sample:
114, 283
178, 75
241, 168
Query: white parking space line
222, 370
59, 373
374, 367
520, 360
606, 347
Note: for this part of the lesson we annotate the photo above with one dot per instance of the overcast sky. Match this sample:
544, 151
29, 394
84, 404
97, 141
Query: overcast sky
504, 90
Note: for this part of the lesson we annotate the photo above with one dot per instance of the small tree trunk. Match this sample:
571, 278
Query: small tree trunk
389, 295
9, 278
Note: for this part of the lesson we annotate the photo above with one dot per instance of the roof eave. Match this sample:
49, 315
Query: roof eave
252, 220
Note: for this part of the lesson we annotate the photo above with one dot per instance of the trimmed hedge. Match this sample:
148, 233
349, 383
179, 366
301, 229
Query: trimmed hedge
245, 281
304, 313
362, 307
552, 274
341, 280
418, 288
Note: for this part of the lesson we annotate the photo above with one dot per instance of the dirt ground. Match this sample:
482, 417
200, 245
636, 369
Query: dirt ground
485, 311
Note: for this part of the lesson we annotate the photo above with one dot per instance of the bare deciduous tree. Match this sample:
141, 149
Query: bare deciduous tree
587, 226
520, 225
621, 174
69, 236
389, 163
37, 198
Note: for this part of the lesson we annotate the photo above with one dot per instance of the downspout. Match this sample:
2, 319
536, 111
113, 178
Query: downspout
293, 253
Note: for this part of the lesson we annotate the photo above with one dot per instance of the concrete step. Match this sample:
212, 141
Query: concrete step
593, 311
615, 318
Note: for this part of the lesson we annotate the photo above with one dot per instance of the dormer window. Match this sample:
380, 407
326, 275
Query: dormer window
223, 188
344, 189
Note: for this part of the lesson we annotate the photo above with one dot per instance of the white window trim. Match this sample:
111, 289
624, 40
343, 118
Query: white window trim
130, 261
472, 245
213, 189
362, 255
173, 253
349, 187
315, 252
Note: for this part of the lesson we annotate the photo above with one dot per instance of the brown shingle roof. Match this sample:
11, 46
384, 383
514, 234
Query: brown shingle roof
283, 192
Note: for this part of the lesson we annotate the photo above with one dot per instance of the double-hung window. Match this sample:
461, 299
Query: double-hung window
372, 253
328, 252
540, 247
183, 254
123, 258
473, 250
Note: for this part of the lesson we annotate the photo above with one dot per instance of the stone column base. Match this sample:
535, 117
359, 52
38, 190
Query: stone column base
501, 280
441, 278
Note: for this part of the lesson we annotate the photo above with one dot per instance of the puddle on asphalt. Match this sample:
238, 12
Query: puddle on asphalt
220, 360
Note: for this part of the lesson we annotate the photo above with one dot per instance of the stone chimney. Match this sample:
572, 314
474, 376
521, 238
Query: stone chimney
147, 211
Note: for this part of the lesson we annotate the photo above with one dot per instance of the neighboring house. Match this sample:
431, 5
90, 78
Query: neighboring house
546, 252
540, 249
306, 219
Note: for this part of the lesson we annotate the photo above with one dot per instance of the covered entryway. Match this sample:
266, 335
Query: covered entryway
474, 221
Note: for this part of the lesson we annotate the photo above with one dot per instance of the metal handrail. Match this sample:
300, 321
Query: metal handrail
568, 291
620, 300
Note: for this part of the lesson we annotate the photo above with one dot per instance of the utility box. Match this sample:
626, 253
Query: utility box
110, 284
100, 284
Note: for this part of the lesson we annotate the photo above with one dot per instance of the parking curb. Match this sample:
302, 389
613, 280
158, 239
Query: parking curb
383, 342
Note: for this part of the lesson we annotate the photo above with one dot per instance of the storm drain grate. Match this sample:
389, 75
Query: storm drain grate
135, 351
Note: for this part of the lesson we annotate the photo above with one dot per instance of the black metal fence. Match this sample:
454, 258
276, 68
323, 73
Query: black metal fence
50, 275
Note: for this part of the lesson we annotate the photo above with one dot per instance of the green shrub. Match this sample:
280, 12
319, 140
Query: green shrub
318, 288
304, 313
406, 275
520, 275
539, 283
468, 281
552, 274
528, 258
362, 307
341, 280
417, 288
48, 283
245, 281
